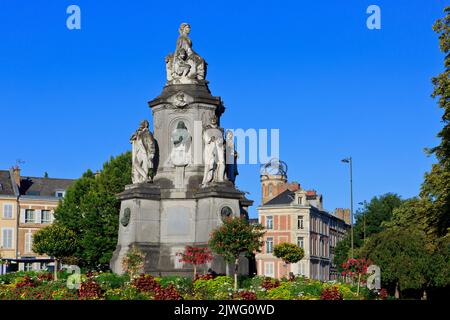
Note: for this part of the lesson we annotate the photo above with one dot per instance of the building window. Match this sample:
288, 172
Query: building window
300, 242
7, 238
60, 193
269, 222
7, 211
28, 242
268, 269
45, 216
29, 216
270, 189
299, 222
28, 266
269, 245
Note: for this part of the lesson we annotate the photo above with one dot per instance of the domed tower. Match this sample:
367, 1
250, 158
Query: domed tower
273, 179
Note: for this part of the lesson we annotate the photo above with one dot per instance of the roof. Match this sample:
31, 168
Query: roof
6, 187
286, 197
43, 187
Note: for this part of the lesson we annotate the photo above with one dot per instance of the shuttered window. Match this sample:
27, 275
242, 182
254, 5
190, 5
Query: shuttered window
7, 238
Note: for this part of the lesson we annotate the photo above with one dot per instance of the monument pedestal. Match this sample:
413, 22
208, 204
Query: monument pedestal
162, 225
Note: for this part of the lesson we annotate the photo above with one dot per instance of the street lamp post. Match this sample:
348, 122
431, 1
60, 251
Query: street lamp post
349, 161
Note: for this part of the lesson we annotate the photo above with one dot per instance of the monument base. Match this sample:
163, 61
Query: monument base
161, 224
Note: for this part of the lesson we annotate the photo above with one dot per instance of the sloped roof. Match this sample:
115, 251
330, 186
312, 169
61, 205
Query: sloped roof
6, 187
43, 187
286, 197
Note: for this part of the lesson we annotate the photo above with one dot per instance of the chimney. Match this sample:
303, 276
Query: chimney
294, 186
343, 214
16, 173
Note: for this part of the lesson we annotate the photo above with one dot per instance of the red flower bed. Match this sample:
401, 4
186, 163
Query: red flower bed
383, 294
89, 290
146, 283
26, 282
269, 283
331, 294
169, 293
207, 276
247, 295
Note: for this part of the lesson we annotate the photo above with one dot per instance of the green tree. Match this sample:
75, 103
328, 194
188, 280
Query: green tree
402, 256
372, 219
436, 187
235, 237
91, 209
56, 241
288, 252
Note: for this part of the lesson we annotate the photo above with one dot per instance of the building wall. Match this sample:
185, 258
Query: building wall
27, 227
317, 231
9, 223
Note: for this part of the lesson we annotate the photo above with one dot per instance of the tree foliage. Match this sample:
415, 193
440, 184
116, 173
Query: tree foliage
56, 241
91, 209
402, 256
288, 252
196, 256
376, 213
235, 237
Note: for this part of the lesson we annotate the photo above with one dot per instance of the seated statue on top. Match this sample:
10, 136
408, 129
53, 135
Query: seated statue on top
185, 66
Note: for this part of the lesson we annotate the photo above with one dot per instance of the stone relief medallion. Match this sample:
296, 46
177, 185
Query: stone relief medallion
180, 100
126, 217
226, 212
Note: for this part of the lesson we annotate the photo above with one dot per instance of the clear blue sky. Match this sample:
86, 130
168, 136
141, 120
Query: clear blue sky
70, 99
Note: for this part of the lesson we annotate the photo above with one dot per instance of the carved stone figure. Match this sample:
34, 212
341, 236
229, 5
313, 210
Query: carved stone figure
143, 154
231, 157
181, 143
185, 66
214, 154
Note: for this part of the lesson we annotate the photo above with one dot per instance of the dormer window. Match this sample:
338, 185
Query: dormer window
60, 193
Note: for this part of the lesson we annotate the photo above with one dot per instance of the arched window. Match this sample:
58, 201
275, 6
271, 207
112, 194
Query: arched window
270, 189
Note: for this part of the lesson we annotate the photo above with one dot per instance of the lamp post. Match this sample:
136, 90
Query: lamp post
349, 161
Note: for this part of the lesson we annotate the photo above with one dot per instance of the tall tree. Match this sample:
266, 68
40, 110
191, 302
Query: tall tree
402, 256
372, 218
436, 187
91, 209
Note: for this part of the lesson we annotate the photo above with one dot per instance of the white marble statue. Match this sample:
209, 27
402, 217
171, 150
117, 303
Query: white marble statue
181, 144
185, 66
214, 154
143, 154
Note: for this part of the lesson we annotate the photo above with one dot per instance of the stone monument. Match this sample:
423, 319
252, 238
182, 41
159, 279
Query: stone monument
183, 178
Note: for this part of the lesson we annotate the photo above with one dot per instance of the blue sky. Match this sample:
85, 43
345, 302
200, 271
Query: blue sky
70, 99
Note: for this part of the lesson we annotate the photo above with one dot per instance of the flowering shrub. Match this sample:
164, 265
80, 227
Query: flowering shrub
169, 293
282, 291
146, 283
196, 256
269, 283
90, 290
331, 294
247, 295
356, 269
383, 294
45, 276
207, 276
219, 288
27, 281
182, 284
